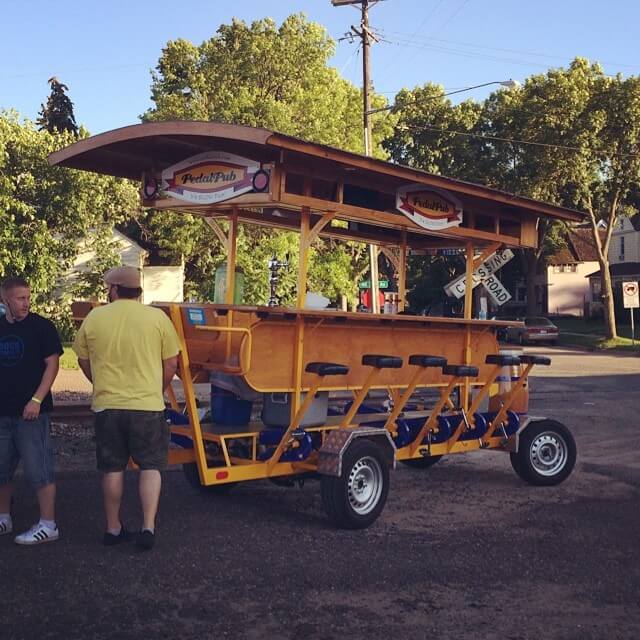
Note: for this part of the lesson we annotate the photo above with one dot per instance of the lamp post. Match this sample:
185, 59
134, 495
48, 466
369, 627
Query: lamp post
511, 84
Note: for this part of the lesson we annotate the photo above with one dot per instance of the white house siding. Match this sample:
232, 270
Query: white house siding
568, 292
162, 284
631, 252
165, 283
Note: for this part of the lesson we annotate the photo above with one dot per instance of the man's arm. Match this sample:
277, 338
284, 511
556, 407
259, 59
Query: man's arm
32, 409
85, 365
169, 368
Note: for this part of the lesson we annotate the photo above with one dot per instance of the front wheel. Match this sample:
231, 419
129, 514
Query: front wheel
357, 497
546, 453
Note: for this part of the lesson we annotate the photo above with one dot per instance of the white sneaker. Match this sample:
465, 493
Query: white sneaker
38, 534
6, 526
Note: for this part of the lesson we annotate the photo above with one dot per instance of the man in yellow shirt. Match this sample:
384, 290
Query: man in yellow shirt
130, 353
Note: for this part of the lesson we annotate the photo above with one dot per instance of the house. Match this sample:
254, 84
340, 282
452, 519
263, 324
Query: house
624, 257
159, 283
563, 287
625, 241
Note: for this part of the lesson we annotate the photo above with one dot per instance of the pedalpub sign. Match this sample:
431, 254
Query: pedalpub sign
212, 177
429, 207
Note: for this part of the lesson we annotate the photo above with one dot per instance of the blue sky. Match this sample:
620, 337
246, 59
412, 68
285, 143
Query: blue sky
104, 51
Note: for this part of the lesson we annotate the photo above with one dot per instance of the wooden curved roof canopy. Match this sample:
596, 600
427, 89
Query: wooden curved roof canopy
131, 152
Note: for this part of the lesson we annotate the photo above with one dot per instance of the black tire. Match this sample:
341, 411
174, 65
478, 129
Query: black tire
190, 470
422, 463
357, 497
546, 453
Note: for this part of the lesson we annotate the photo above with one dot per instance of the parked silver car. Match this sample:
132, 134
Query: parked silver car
536, 329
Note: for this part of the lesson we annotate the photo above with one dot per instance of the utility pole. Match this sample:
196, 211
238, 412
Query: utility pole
366, 77
366, 36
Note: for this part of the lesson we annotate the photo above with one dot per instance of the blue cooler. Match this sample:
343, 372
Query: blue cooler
227, 408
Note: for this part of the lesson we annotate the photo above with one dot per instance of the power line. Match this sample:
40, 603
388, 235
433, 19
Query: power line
468, 54
509, 140
453, 15
415, 33
501, 49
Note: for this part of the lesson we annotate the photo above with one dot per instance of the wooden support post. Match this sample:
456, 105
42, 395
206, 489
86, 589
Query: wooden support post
232, 247
468, 314
303, 260
402, 273
232, 242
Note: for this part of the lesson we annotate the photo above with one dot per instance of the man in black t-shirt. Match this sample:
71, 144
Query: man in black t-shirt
30, 350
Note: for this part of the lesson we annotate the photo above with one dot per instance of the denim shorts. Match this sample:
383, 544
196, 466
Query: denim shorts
121, 434
29, 441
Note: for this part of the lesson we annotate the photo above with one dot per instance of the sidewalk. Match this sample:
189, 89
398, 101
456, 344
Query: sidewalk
71, 386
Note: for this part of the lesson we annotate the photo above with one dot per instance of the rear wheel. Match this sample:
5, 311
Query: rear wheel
546, 453
357, 497
422, 463
190, 470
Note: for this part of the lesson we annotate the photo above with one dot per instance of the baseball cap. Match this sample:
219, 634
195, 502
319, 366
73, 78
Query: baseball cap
129, 277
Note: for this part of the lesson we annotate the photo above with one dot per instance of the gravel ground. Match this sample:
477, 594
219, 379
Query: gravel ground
463, 550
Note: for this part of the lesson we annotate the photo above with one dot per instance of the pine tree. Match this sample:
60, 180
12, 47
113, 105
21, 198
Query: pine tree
58, 114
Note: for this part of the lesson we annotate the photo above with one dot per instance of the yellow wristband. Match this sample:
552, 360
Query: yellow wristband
36, 400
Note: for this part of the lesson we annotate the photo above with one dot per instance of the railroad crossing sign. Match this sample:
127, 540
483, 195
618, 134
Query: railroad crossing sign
485, 275
630, 295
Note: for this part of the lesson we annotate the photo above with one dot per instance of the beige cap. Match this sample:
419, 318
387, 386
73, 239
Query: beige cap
129, 277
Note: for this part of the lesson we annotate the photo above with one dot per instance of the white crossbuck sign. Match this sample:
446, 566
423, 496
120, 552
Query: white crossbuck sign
485, 275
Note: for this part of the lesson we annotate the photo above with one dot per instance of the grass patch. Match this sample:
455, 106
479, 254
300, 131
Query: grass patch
591, 335
69, 360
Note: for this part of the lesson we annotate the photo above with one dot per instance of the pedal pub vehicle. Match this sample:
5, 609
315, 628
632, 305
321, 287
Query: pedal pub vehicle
297, 356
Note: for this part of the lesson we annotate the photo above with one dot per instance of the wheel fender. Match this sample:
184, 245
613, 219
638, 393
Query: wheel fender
337, 442
515, 438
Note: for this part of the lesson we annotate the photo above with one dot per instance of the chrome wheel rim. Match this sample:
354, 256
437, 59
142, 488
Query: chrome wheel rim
364, 485
548, 453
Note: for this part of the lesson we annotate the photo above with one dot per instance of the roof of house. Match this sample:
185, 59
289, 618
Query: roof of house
580, 247
620, 269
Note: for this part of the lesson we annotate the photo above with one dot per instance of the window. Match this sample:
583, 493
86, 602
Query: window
621, 247
557, 268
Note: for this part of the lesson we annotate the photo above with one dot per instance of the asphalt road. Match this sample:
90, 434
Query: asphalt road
463, 550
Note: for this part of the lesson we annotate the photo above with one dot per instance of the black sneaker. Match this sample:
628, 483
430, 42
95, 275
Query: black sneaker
145, 540
109, 540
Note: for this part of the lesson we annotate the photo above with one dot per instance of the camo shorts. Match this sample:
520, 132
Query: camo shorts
121, 434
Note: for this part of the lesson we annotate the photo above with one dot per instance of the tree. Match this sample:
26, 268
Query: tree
58, 114
270, 76
45, 212
584, 128
587, 128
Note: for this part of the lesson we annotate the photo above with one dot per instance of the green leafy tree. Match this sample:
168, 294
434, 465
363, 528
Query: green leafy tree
271, 76
587, 126
47, 212
58, 114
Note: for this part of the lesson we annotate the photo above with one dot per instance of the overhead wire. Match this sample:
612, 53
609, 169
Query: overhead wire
415, 33
473, 45
509, 140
